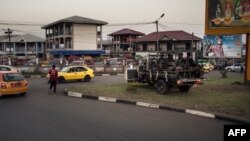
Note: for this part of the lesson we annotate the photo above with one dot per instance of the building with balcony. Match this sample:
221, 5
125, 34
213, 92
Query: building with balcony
73, 36
169, 42
23, 46
123, 42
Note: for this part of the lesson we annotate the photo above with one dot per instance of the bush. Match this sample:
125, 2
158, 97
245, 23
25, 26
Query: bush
132, 86
224, 73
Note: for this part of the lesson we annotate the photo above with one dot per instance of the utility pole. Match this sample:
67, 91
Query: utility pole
9, 32
192, 45
157, 40
9, 57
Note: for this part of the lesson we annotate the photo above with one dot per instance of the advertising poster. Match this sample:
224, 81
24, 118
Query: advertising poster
233, 13
227, 17
223, 46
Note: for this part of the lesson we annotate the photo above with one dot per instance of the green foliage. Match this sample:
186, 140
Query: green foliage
132, 86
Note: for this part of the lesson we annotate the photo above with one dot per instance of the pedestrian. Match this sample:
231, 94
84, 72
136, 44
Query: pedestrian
241, 69
53, 78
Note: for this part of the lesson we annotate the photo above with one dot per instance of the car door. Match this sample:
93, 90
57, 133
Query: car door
81, 72
71, 74
236, 67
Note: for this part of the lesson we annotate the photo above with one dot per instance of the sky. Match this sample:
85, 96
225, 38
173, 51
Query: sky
187, 15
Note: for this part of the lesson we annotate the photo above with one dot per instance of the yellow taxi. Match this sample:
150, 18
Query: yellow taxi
69, 73
12, 83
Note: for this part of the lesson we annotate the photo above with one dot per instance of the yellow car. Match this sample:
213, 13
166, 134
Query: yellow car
69, 73
12, 83
208, 67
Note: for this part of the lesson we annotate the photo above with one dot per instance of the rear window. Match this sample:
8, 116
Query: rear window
8, 77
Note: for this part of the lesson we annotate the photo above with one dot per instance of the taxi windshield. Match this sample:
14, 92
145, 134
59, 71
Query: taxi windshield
8, 77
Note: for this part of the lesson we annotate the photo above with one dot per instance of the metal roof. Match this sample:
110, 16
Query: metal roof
127, 31
24, 38
178, 35
76, 20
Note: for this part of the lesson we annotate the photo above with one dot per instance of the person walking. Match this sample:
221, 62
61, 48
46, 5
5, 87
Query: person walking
53, 78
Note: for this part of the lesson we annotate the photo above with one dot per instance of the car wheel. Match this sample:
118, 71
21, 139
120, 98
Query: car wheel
230, 70
61, 79
87, 78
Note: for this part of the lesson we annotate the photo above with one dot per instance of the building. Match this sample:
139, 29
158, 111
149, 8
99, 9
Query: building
169, 41
123, 42
74, 36
22, 46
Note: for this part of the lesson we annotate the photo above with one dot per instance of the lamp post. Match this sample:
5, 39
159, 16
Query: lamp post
157, 40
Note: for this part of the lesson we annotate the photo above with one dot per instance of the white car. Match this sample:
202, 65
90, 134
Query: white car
9, 68
235, 68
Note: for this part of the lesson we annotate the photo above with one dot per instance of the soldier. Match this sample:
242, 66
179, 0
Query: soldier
161, 62
180, 62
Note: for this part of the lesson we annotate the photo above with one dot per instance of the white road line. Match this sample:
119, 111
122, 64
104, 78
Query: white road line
200, 113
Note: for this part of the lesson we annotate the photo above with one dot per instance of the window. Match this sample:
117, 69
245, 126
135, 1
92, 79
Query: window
4, 69
12, 77
188, 46
169, 46
81, 69
144, 47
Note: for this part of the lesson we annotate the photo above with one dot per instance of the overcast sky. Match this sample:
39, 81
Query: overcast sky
188, 15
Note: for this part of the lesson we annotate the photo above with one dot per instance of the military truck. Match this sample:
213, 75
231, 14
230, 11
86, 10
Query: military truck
164, 73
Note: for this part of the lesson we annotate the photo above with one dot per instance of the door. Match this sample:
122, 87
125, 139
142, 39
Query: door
81, 72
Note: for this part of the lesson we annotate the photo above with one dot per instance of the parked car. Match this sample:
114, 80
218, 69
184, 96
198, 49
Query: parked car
235, 68
12, 83
69, 73
9, 68
77, 63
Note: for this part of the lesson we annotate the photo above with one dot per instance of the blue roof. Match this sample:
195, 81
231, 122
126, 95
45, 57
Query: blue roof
77, 52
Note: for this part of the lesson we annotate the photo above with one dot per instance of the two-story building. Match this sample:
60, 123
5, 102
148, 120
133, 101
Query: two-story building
22, 46
74, 36
169, 41
123, 42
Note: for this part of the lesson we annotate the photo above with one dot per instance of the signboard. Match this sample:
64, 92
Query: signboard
226, 46
227, 17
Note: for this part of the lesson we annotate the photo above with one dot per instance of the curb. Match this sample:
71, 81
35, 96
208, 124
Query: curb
163, 107
41, 76
34, 76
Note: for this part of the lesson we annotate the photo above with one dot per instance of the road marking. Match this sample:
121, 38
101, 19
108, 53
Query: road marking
147, 105
200, 113
107, 99
74, 94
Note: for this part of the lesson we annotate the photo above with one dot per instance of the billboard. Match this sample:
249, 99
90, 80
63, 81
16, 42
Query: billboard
222, 46
227, 17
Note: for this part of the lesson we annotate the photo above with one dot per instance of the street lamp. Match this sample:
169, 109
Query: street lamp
157, 40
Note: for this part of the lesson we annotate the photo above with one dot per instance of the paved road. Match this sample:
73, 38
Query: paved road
40, 117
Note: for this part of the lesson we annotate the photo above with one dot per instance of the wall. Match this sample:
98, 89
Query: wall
85, 37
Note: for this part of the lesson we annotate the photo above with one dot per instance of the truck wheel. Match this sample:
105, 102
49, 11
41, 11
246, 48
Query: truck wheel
184, 89
161, 86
